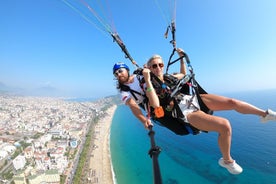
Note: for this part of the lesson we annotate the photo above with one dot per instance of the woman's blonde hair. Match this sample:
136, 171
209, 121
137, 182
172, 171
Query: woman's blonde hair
155, 56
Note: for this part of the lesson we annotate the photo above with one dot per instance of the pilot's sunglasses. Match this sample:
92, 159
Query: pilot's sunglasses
117, 72
155, 65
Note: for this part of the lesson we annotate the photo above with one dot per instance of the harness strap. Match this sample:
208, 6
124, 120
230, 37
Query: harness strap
118, 40
170, 58
133, 92
180, 84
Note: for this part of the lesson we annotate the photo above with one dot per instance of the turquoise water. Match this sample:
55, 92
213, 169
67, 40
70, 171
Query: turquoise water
193, 159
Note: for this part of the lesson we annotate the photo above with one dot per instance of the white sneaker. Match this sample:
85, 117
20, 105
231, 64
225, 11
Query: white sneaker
271, 116
233, 167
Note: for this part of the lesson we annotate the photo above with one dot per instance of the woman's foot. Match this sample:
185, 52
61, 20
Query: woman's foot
232, 167
270, 116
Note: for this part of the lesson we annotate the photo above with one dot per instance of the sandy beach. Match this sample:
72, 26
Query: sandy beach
100, 165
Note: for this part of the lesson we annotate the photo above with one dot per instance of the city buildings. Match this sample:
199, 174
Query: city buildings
38, 134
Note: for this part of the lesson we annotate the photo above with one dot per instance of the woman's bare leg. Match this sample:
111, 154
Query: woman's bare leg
208, 122
216, 103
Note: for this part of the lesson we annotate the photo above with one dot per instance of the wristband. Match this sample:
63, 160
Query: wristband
149, 89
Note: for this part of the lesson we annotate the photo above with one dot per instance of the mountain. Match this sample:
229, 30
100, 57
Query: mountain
5, 88
41, 91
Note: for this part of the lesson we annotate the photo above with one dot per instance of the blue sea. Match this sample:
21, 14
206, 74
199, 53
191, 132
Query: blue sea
194, 158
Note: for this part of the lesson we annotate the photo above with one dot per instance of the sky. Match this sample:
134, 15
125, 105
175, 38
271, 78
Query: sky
48, 45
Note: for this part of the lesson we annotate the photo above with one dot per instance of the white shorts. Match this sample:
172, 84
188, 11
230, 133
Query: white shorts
188, 104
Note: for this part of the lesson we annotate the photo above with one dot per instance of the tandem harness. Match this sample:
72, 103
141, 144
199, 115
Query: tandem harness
170, 93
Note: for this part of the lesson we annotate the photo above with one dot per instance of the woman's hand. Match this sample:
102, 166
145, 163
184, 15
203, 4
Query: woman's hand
180, 52
146, 74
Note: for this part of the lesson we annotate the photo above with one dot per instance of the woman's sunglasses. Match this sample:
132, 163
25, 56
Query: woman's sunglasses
155, 65
117, 72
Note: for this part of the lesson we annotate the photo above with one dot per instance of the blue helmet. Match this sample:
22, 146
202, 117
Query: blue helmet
120, 65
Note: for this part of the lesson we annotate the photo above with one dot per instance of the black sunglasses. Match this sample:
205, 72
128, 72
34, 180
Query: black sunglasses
155, 65
117, 72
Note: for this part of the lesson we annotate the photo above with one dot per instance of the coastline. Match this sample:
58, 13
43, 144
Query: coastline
100, 163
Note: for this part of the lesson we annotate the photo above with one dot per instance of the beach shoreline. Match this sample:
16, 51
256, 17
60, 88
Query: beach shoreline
100, 163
